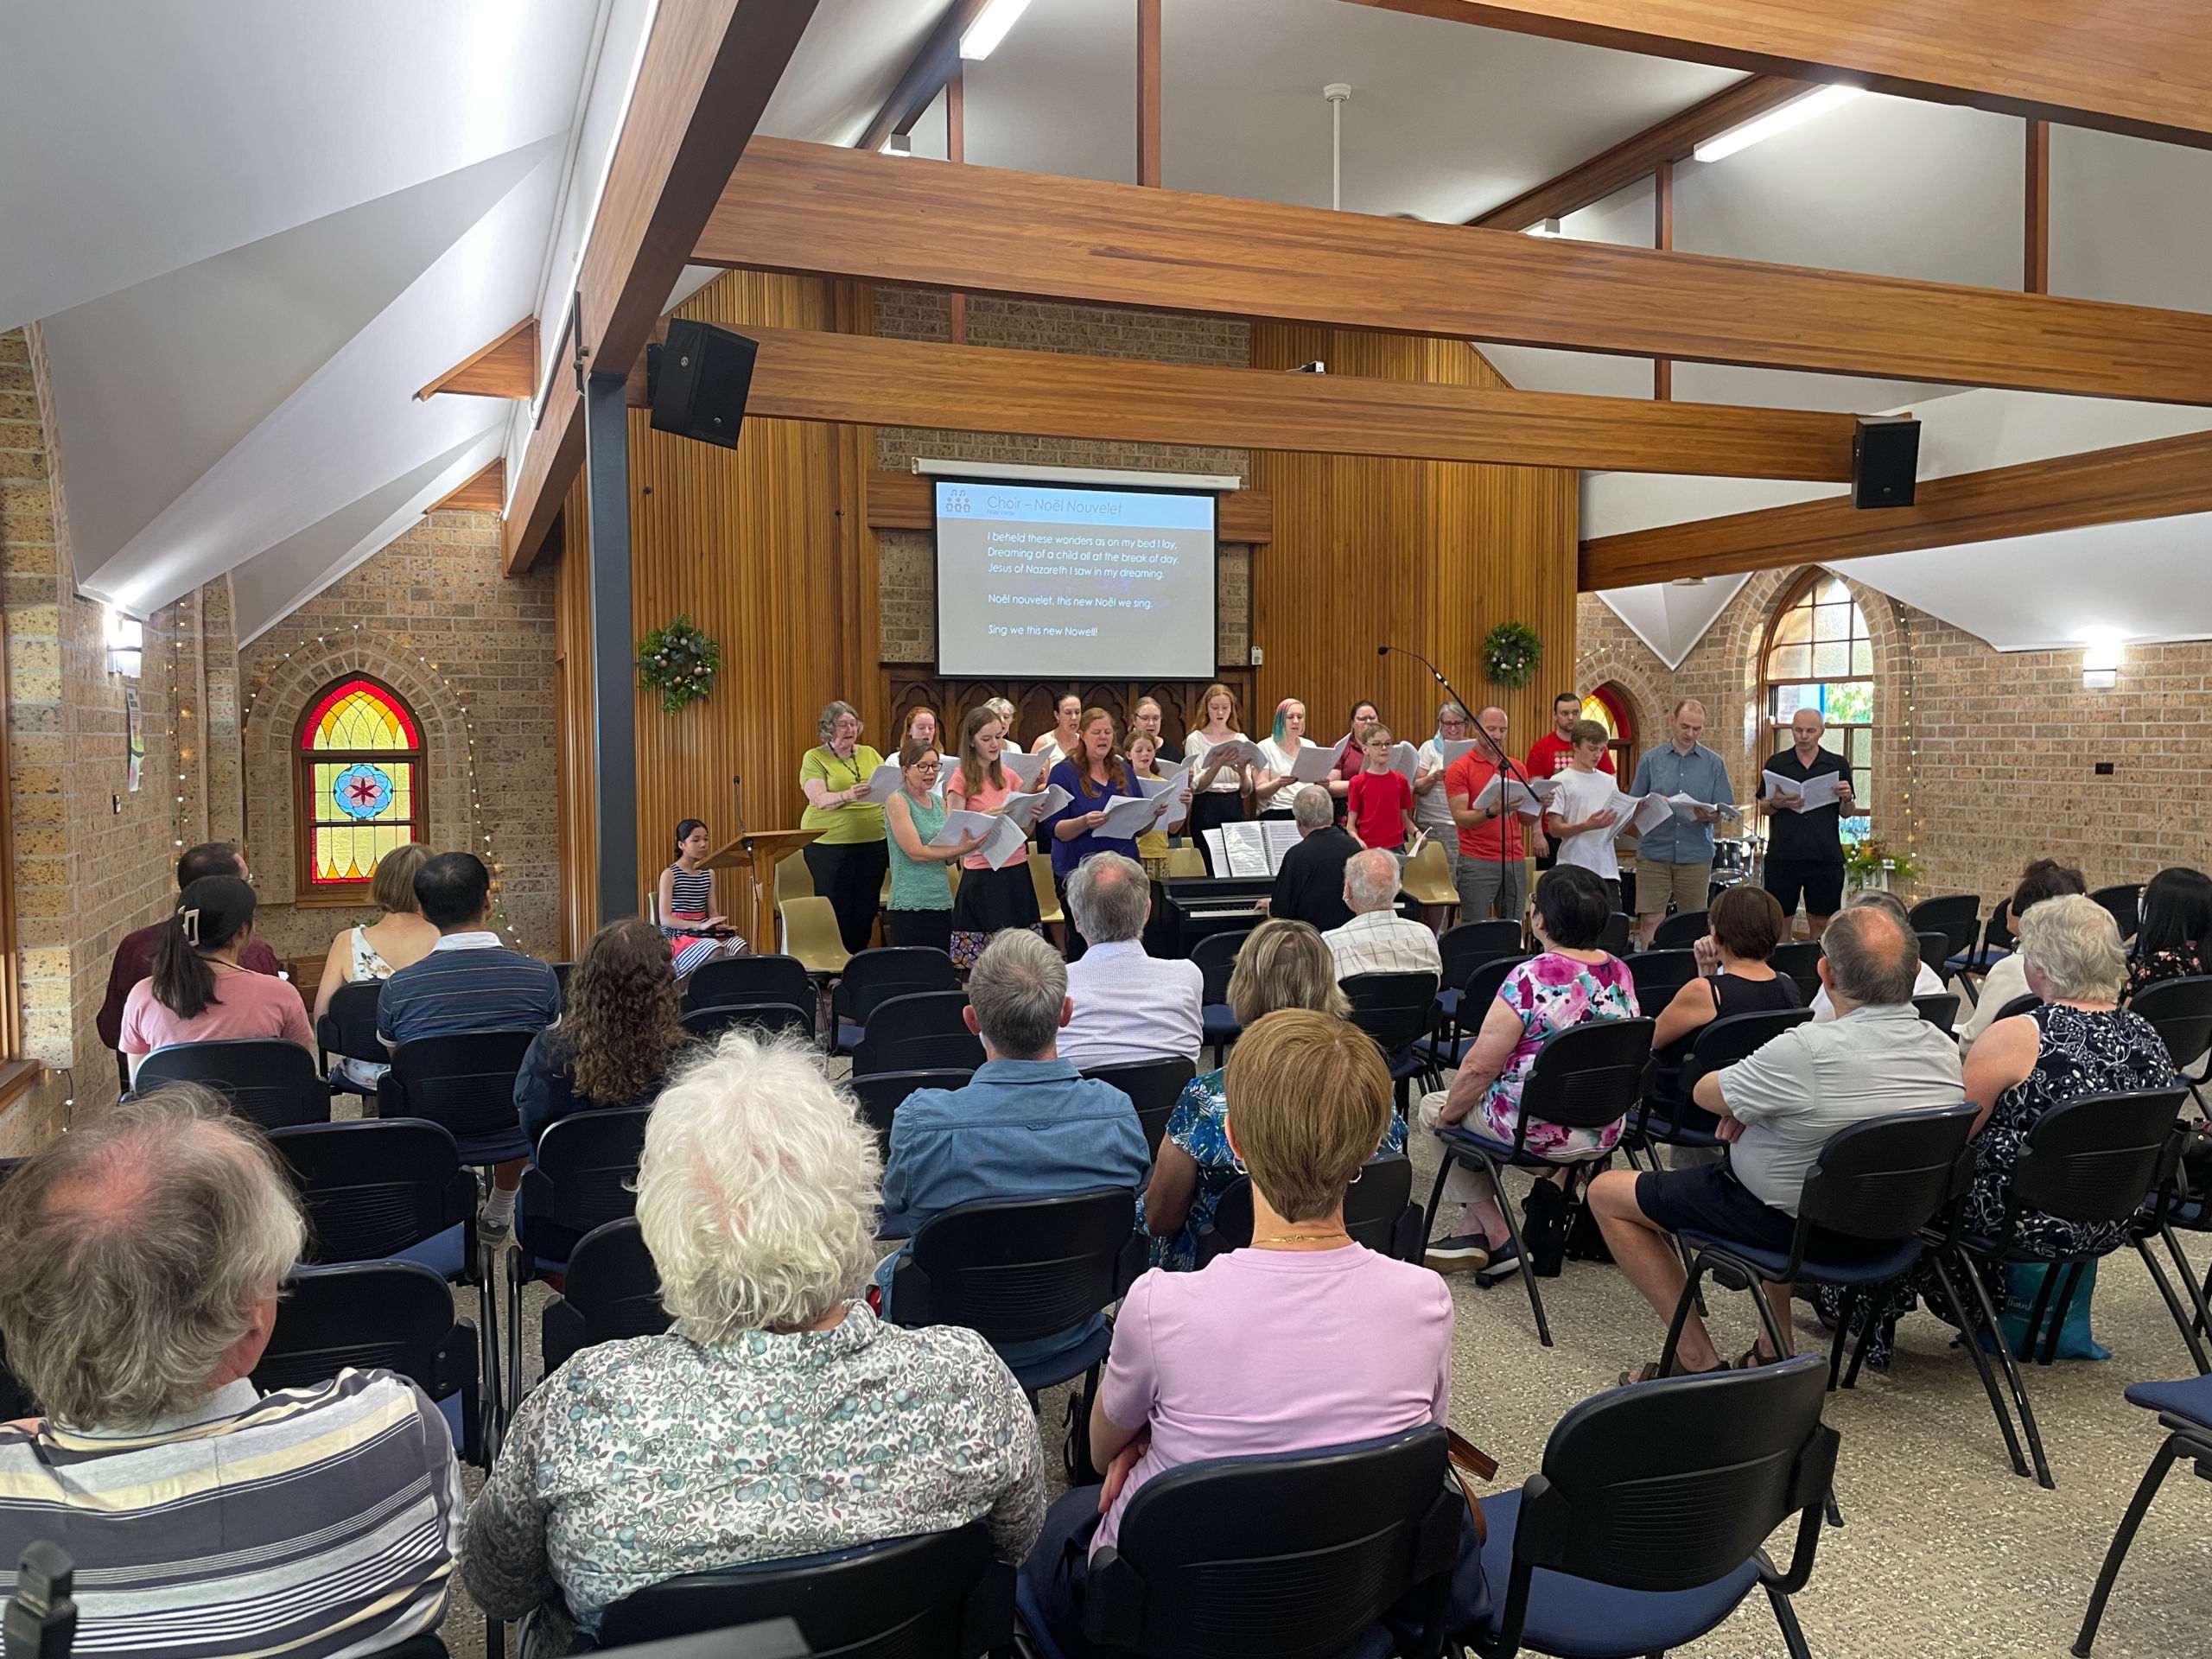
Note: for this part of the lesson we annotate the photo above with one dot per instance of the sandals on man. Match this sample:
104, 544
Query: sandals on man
1749, 1360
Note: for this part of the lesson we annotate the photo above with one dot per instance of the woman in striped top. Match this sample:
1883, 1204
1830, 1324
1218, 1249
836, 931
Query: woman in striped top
687, 901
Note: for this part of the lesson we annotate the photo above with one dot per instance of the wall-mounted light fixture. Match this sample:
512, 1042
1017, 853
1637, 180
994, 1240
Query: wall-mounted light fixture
126, 644
2100, 661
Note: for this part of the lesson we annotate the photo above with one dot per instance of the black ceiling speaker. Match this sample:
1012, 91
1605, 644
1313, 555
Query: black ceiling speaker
1884, 459
704, 375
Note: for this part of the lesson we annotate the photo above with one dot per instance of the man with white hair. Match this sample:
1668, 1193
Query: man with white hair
1310, 885
140, 1256
1378, 940
1128, 1006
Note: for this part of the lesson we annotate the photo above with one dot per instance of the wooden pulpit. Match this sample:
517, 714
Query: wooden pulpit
757, 852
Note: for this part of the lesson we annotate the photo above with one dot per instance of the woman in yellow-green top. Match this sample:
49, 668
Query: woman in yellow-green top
848, 862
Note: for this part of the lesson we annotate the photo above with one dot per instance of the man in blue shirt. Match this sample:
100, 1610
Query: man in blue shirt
1028, 1125
1675, 859
470, 982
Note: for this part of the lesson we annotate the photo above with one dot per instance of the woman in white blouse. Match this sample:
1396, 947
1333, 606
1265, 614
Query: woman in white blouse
1279, 751
1065, 739
1218, 788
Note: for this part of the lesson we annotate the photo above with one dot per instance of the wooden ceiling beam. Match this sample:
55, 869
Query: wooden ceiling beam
484, 492
505, 368
820, 211
708, 68
2157, 479
2144, 68
924, 77
806, 375
1640, 155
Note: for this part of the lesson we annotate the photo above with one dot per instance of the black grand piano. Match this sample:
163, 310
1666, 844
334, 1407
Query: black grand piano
1188, 908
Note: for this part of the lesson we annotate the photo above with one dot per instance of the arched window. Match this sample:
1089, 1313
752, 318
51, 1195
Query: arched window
359, 762
1608, 707
1820, 655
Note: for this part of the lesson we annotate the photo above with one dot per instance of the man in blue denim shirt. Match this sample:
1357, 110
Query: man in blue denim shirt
1675, 859
1028, 1125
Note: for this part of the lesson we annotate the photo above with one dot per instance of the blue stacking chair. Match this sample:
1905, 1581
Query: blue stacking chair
2185, 1410
1215, 956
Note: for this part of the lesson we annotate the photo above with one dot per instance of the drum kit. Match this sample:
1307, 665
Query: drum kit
1736, 862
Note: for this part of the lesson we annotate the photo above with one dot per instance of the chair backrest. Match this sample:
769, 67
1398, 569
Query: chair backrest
1887, 1178
1728, 1040
585, 1162
921, 1030
2180, 1011
1428, 877
767, 1018
1394, 1010
465, 1081
1048, 894
350, 1025
2016, 1007
794, 879
1801, 960
1154, 1087
938, 1595
609, 1290
1935, 948
1681, 930
1956, 916
268, 1080
1286, 1557
748, 979
1659, 974
376, 1187
1017, 1270
1466, 946
1620, 927
875, 977
1185, 860
1482, 987
1375, 1205
810, 930
1676, 1483
1589, 1075
1938, 1008
1216, 958
881, 1095
561, 971
2124, 902
2092, 1160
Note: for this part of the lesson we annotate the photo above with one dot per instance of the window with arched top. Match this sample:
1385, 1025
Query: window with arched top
1820, 655
1608, 707
358, 762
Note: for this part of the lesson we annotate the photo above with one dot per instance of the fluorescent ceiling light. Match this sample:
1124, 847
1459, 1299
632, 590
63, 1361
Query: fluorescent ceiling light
1795, 113
988, 30
1544, 227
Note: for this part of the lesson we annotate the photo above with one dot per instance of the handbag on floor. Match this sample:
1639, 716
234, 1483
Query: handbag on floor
1543, 1230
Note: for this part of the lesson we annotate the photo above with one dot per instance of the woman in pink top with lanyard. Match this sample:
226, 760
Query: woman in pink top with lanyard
988, 900
196, 992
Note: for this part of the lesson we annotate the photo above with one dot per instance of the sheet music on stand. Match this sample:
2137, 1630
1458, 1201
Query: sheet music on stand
1281, 835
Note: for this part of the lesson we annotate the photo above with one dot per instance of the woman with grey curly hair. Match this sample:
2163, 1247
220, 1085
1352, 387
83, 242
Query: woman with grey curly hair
639, 1460
851, 858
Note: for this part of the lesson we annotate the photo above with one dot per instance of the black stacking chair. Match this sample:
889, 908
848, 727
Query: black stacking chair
1466, 946
937, 1595
560, 972
1956, 916
875, 977
2017, 1006
349, 1029
1154, 1087
925, 1030
2124, 902
2185, 1409
1681, 930
609, 1291
1298, 1556
465, 1082
1801, 960
2180, 1010
763, 1019
1647, 1526
1935, 950
749, 979
882, 1093
1396, 1010
579, 1180
1379, 1212
1016, 1270
1660, 972
2089, 1160
1215, 956
1938, 1009
381, 1189
1458, 1034
1620, 928
268, 1081
1679, 1121
1969, 967
2182, 1202
1583, 1077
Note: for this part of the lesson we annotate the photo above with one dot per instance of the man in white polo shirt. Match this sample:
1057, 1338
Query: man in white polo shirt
1128, 1006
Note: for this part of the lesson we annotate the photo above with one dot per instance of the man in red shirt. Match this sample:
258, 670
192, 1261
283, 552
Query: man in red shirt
1547, 758
1488, 884
134, 958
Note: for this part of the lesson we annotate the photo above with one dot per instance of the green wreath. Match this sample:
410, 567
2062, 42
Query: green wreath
680, 663
1511, 654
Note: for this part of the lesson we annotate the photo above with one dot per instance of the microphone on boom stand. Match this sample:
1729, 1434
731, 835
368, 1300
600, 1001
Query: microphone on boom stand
1507, 771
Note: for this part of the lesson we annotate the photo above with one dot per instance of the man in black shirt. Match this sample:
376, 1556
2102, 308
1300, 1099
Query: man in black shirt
1804, 851
1309, 886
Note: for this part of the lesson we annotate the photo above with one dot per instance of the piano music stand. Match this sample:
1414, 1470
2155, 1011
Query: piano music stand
757, 852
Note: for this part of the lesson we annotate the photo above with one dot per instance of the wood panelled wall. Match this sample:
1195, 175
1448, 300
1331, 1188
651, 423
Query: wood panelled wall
1428, 555
569, 544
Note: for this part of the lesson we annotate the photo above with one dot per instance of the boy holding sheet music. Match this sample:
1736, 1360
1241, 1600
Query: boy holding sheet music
1582, 816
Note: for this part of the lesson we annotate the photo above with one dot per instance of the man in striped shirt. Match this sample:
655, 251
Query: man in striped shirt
139, 1261
470, 982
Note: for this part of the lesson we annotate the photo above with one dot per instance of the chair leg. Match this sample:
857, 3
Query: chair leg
2183, 1321
1768, 1322
1858, 1350
2028, 1342
1851, 1299
1792, 1637
2013, 1380
1435, 1200
514, 1326
1682, 1316
2138, 1507
2197, 1293
2073, 1285
1520, 1251
1972, 1339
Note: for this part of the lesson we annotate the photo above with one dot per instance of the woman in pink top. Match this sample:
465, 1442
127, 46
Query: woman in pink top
988, 900
1302, 1341
196, 992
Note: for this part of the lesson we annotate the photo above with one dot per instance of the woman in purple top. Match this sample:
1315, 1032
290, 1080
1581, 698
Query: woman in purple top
1092, 776
1303, 1340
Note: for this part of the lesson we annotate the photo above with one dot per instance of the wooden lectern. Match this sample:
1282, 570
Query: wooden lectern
757, 852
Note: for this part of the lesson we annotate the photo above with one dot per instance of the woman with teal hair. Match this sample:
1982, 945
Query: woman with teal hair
1279, 751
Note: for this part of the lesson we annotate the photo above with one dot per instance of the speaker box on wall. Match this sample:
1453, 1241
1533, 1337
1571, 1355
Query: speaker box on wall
1885, 458
704, 375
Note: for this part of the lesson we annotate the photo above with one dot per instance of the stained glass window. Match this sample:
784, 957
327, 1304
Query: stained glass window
1609, 709
360, 768
1820, 655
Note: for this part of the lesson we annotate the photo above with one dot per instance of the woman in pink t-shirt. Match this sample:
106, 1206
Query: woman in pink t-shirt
196, 992
1302, 1341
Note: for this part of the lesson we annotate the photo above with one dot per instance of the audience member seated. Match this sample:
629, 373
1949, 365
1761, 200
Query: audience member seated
2174, 938
1028, 1125
1926, 982
1128, 1006
1310, 885
1571, 981
2046, 878
1778, 1109
140, 1256
197, 992
1282, 965
1746, 923
134, 958
1378, 940
1303, 1340
470, 982
778, 1417
399, 939
618, 1033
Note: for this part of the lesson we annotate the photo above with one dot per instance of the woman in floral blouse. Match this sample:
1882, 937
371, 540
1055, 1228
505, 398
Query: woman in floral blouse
778, 1418
1283, 964
2174, 940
